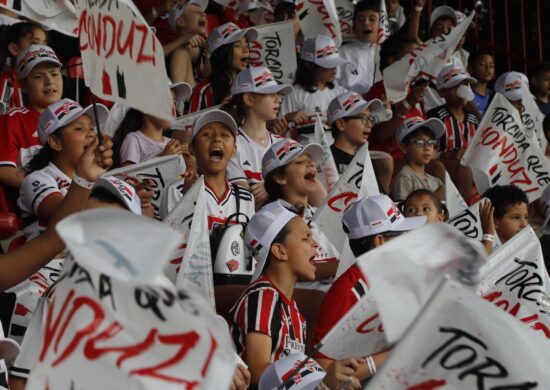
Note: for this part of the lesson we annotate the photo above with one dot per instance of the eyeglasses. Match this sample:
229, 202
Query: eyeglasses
422, 143
365, 119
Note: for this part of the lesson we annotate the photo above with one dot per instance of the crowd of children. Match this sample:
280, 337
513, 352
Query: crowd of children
260, 161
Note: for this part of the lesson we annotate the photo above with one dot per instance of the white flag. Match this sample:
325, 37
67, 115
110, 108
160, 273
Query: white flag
275, 48
191, 263
357, 180
453, 200
515, 279
319, 17
425, 61
501, 153
160, 170
532, 118
122, 58
468, 222
403, 273
101, 332
345, 10
461, 342
328, 172
58, 15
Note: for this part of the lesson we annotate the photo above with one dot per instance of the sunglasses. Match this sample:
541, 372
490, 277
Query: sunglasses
422, 143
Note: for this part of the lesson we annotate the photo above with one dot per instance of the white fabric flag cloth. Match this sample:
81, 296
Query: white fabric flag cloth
118, 49
160, 170
500, 152
103, 332
319, 17
185, 122
58, 15
459, 341
469, 223
359, 333
358, 180
516, 280
453, 200
192, 261
403, 273
532, 118
328, 173
275, 48
426, 61
345, 9
383, 33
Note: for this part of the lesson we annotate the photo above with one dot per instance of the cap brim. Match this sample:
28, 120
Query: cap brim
215, 116
8, 349
436, 126
440, 11
37, 62
315, 151
329, 63
182, 89
250, 33
282, 89
458, 80
410, 223
108, 186
102, 113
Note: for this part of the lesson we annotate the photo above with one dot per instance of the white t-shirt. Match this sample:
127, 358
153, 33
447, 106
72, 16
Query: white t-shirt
137, 148
358, 74
35, 189
311, 103
246, 165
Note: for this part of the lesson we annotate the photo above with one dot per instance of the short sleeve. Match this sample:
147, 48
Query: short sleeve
35, 189
130, 149
261, 311
402, 187
289, 103
235, 172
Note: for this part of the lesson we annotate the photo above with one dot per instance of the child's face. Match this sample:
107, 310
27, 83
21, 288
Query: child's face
193, 20
441, 26
420, 155
73, 139
419, 205
240, 54
43, 85
299, 177
514, 219
325, 75
213, 146
36, 37
483, 68
392, 6
542, 83
267, 106
301, 249
357, 129
365, 26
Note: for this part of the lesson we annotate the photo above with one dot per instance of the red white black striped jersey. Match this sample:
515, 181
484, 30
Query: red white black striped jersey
457, 135
264, 309
246, 165
202, 97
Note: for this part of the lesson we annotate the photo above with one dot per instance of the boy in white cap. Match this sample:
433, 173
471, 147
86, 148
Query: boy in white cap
453, 84
509, 85
188, 20
419, 140
369, 223
39, 71
256, 97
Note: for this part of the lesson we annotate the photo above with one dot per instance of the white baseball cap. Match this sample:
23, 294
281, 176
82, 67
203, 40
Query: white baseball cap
182, 89
350, 104
32, 56
322, 51
411, 124
258, 80
443, 10
214, 116
262, 229
452, 75
179, 8
284, 152
8, 348
228, 33
62, 113
122, 190
546, 204
509, 85
307, 378
375, 215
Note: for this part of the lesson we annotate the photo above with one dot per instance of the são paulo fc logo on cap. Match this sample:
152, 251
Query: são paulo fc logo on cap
255, 247
262, 79
412, 121
512, 86
453, 72
326, 51
288, 146
65, 109
350, 101
228, 30
393, 213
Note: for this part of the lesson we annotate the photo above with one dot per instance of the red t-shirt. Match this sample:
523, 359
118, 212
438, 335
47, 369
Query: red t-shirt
345, 292
10, 92
202, 97
263, 308
18, 136
378, 91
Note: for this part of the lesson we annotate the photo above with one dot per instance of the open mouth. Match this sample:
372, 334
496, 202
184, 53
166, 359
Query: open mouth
244, 61
216, 155
367, 31
202, 23
311, 259
366, 134
310, 176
